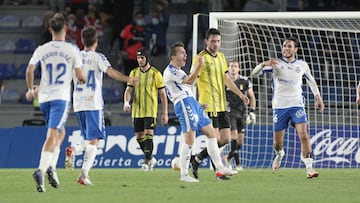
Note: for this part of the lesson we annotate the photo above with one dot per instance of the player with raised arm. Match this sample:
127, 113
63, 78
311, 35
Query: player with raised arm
145, 105
211, 83
88, 100
237, 112
190, 113
288, 102
58, 60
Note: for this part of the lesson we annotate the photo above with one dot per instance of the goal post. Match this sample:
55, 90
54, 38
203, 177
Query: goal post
330, 44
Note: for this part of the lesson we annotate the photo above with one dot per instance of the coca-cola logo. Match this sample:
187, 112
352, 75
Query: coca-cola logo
336, 149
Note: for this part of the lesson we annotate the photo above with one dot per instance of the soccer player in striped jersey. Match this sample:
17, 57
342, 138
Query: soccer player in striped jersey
211, 87
88, 100
145, 105
237, 112
58, 60
190, 113
288, 102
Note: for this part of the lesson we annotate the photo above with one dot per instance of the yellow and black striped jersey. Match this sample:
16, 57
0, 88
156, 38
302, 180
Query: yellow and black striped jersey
210, 82
145, 97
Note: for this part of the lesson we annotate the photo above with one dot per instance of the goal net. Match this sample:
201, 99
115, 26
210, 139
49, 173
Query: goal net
330, 43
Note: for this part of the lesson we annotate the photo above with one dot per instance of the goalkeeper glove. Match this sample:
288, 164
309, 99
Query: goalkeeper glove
251, 117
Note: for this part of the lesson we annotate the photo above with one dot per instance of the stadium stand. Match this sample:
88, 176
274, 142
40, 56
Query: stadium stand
111, 95
32, 22
7, 45
9, 21
21, 71
25, 46
10, 96
7, 71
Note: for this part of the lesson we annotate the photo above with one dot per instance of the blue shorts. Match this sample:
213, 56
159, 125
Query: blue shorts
55, 113
191, 115
92, 124
282, 117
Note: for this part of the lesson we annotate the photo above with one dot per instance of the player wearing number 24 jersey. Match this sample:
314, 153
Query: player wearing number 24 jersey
88, 100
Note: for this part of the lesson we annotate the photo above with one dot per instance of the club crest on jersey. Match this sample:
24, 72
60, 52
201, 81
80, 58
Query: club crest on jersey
241, 87
297, 69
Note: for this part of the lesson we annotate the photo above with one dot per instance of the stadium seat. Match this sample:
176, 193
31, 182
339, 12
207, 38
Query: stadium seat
7, 45
111, 95
10, 96
25, 46
7, 71
9, 21
32, 21
21, 71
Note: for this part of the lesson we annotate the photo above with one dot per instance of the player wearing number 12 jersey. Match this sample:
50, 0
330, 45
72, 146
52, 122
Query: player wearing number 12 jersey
58, 61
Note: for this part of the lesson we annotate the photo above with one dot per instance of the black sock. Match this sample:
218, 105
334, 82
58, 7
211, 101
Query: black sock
148, 148
141, 142
232, 149
203, 154
236, 154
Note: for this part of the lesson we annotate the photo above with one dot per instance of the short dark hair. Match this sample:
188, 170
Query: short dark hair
57, 22
294, 39
173, 47
89, 35
212, 31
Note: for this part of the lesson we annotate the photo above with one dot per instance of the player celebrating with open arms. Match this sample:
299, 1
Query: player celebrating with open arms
288, 102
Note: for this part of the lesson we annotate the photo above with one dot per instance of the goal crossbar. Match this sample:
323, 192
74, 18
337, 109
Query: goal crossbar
215, 16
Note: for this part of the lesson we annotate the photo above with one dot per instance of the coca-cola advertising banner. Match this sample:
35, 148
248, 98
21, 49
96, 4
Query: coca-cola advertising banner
333, 147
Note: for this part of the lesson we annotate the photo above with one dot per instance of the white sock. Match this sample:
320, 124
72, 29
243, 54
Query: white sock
214, 152
79, 148
309, 164
45, 161
280, 153
55, 157
184, 159
89, 157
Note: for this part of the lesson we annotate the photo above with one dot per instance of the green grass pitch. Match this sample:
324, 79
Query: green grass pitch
163, 185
